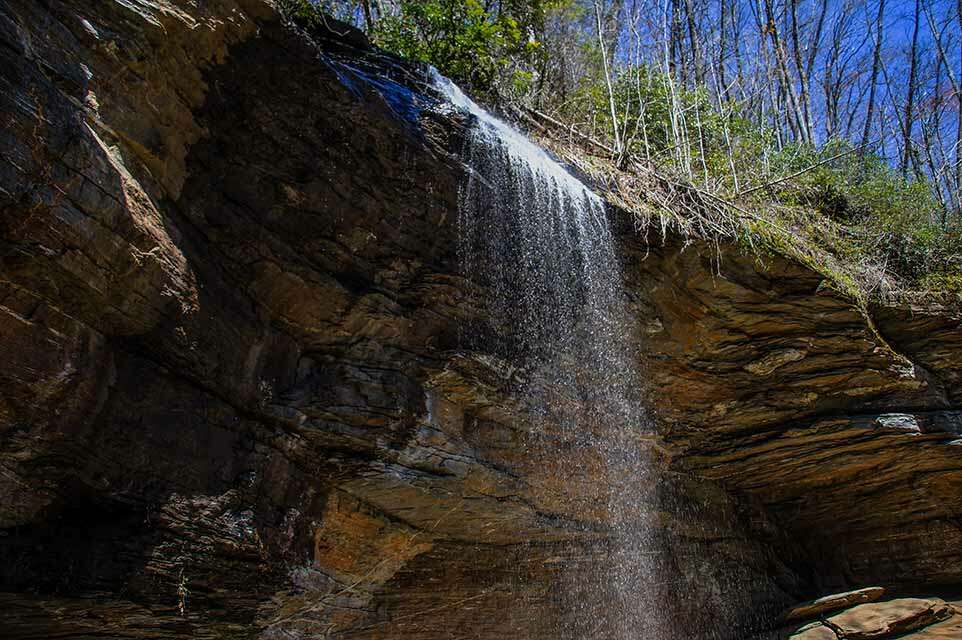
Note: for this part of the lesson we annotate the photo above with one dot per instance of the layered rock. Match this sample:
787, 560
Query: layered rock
873, 619
841, 423
832, 602
236, 405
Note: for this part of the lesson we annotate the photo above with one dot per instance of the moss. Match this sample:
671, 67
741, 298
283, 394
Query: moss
948, 282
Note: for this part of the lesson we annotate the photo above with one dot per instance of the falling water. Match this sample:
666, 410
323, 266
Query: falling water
538, 241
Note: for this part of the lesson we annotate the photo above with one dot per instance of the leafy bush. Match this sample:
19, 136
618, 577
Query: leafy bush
893, 221
308, 14
462, 38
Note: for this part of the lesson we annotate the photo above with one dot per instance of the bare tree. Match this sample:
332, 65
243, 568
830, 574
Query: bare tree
693, 36
958, 112
797, 121
689, 82
722, 51
608, 83
873, 80
909, 117
801, 67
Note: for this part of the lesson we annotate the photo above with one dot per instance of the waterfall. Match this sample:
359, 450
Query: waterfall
538, 242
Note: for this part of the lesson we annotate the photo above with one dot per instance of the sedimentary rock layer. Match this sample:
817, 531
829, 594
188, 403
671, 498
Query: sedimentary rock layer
235, 403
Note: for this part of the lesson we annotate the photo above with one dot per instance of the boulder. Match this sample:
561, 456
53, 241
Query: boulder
814, 631
949, 629
890, 618
814, 608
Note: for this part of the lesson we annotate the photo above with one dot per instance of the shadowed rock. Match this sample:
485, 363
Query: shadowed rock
236, 404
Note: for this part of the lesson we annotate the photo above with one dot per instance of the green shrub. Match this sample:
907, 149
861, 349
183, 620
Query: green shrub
462, 38
891, 220
305, 13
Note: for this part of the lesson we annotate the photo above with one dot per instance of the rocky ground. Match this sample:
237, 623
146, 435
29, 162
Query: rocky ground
235, 405
869, 613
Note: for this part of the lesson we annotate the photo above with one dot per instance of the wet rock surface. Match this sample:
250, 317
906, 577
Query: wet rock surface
236, 404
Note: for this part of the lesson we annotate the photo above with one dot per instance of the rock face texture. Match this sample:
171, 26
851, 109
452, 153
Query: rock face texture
916, 618
832, 602
235, 403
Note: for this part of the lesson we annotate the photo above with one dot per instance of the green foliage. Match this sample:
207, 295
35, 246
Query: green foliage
654, 113
921, 251
305, 13
854, 206
889, 220
462, 38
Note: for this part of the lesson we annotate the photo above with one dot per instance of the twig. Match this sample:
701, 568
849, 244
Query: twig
570, 128
675, 186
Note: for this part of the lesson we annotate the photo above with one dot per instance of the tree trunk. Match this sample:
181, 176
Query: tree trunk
910, 98
805, 95
796, 122
876, 66
958, 124
696, 62
368, 18
677, 48
722, 81
611, 91
952, 179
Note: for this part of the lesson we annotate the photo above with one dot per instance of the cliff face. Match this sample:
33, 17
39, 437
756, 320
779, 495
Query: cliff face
235, 403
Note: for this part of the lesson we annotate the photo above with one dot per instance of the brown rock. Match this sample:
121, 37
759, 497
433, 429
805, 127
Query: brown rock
890, 618
814, 631
814, 608
950, 629
235, 404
